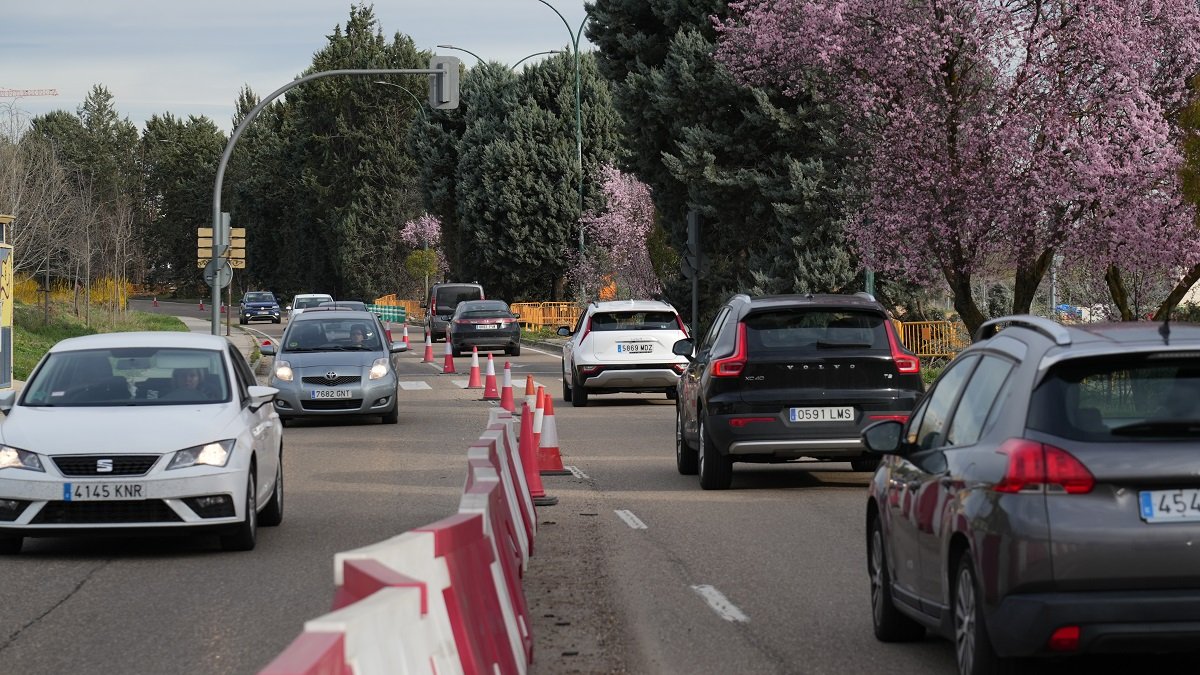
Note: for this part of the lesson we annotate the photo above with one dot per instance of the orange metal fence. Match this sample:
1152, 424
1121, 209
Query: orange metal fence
934, 338
926, 339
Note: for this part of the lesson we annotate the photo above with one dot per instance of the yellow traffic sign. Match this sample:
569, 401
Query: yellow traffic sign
237, 232
237, 243
202, 262
204, 242
204, 232
237, 263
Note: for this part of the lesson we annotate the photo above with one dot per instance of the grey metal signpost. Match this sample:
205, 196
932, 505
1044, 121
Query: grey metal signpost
443, 94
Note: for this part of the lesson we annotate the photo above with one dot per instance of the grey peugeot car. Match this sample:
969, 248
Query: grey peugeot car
334, 362
1044, 498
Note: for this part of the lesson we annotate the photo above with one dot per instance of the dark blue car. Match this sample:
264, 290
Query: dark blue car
259, 306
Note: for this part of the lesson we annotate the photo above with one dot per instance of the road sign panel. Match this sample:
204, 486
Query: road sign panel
204, 232
239, 263
204, 242
236, 253
237, 233
237, 243
202, 262
218, 273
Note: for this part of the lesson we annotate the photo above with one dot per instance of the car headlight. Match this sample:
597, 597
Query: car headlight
379, 368
283, 371
15, 458
209, 454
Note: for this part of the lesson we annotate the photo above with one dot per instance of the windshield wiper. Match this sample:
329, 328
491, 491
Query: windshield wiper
843, 345
1159, 427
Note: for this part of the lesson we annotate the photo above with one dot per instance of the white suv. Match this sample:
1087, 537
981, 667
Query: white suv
305, 301
622, 346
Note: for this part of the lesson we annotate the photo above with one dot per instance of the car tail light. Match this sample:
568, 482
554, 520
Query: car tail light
590, 370
587, 328
679, 367
739, 422
1065, 639
895, 418
682, 327
906, 363
732, 366
1038, 467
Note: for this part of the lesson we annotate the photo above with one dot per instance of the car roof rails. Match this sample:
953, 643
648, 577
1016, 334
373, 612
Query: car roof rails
1051, 329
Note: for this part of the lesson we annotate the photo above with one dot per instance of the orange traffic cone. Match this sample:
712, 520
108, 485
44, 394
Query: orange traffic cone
490, 393
406, 335
539, 413
506, 393
448, 362
549, 461
387, 330
530, 393
474, 382
533, 478
428, 350
156, 301
222, 308
201, 305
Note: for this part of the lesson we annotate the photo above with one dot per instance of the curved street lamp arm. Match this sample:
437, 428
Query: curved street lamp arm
551, 51
477, 57
420, 105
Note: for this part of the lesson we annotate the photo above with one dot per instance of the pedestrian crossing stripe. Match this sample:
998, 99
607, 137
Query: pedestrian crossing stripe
413, 386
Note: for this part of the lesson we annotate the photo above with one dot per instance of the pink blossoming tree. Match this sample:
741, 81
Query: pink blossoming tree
997, 133
617, 237
424, 235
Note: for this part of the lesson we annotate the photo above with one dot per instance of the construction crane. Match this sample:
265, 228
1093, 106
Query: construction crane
19, 93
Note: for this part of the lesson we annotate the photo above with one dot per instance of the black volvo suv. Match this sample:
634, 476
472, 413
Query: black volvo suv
785, 377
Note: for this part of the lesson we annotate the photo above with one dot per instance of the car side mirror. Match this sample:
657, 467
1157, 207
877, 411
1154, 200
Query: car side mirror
267, 348
7, 400
288, 308
516, 316
424, 304
398, 347
883, 437
684, 348
564, 331
260, 396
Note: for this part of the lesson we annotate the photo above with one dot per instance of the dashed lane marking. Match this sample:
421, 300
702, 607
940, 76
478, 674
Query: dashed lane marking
720, 604
576, 472
413, 386
630, 519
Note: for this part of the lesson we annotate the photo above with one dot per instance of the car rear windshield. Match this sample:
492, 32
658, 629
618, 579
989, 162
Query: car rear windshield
602, 321
305, 303
260, 297
815, 330
448, 297
1119, 398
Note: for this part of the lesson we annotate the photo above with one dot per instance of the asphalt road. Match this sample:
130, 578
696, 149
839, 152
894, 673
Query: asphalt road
636, 569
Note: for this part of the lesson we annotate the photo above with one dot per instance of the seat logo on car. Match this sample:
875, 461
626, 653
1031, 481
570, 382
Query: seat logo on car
331, 375
104, 466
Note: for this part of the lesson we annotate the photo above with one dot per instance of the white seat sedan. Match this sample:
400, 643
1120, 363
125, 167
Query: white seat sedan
622, 346
139, 433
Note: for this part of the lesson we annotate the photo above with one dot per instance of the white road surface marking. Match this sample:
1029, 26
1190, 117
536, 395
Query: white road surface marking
413, 386
630, 519
575, 471
720, 604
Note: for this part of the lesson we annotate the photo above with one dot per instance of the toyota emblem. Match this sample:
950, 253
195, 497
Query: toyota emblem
331, 376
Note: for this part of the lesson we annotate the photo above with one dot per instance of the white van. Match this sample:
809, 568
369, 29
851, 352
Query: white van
304, 301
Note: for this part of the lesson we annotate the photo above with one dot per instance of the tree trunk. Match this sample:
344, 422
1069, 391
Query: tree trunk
1029, 277
1176, 295
964, 301
1120, 296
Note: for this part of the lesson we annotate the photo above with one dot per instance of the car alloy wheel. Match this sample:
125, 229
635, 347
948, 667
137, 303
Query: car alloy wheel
246, 535
972, 646
716, 471
890, 624
685, 457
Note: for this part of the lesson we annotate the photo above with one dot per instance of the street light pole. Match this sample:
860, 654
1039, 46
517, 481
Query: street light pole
526, 58
420, 106
477, 57
578, 104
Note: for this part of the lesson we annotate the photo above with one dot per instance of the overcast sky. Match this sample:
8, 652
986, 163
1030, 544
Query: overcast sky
191, 57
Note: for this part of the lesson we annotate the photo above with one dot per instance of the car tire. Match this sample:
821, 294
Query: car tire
392, 417
579, 395
455, 351
11, 545
272, 513
514, 350
276, 320
687, 460
672, 393
566, 390
241, 321
890, 624
246, 535
864, 464
973, 649
286, 422
715, 469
